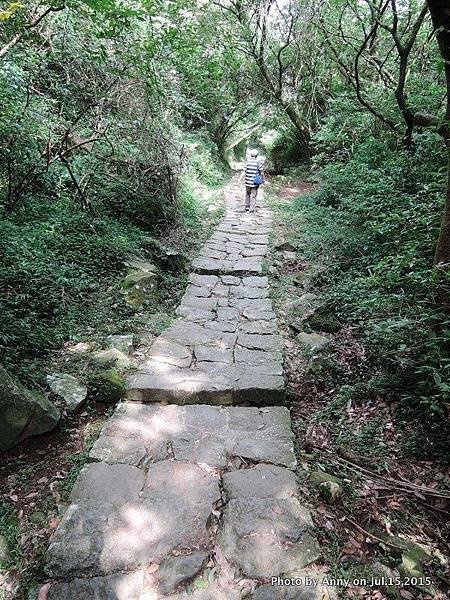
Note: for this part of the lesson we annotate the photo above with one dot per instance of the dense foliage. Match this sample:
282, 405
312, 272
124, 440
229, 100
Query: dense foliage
98, 161
374, 223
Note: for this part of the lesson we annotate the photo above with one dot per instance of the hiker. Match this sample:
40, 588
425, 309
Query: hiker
254, 177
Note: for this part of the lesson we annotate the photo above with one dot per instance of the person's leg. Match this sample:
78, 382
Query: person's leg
254, 194
248, 191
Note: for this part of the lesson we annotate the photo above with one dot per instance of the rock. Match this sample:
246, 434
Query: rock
140, 264
289, 256
312, 341
107, 386
200, 434
299, 309
140, 286
168, 352
22, 412
38, 517
285, 245
113, 356
379, 570
137, 278
208, 281
230, 280
324, 321
252, 281
117, 483
4, 551
412, 565
197, 315
189, 334
255, 357
69, 389
272, 343
172, 512
413, 560
260, 327
175, 570
242, 291
328, 486
213, 354
123, 343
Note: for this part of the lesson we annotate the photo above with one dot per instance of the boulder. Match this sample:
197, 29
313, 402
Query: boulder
312, 341
140, 284
69, 389
324, 321
107, 386
413, 560
140, 264
284, 245
113, 356
123, 343
22, 412
300, 309
328, 486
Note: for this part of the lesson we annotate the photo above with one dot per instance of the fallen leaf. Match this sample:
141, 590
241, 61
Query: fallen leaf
43, 592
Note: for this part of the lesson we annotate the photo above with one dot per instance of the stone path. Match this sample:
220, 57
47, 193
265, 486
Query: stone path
197, 500
225, 348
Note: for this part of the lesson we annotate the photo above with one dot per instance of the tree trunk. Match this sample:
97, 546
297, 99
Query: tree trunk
440, 14
442, 256
303, 132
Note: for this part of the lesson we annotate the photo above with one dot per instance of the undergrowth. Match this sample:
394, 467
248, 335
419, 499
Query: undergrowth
61, 266
372, 224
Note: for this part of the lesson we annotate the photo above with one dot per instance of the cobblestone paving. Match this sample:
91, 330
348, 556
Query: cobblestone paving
194, 501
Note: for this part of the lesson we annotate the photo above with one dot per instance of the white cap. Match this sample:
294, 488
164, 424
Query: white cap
253, 152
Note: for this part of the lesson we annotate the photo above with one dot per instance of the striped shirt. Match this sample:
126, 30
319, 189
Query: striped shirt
252, 168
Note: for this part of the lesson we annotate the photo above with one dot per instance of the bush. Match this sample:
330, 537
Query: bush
375, 220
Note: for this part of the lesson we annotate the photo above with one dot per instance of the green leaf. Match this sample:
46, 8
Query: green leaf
200, 584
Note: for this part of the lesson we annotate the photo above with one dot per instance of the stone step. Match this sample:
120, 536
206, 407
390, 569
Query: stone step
224, 347
178, 492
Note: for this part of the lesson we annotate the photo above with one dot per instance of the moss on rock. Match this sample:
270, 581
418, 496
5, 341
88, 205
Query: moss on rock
107, 386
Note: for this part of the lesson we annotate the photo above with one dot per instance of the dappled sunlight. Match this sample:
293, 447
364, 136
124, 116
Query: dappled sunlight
134, 536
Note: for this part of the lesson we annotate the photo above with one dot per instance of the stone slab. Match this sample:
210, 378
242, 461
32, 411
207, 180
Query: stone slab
148, 433
172, 513
262, 481
267, 537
